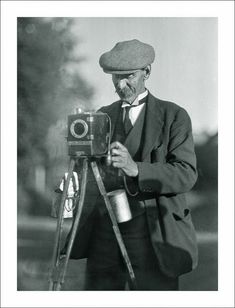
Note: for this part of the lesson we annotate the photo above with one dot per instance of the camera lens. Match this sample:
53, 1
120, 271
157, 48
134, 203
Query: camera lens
79, 128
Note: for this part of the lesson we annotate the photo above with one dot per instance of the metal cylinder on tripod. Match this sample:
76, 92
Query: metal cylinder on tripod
120, 205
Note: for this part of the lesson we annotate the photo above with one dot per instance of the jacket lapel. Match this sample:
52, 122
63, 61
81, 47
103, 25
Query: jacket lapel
153, 125
114, 115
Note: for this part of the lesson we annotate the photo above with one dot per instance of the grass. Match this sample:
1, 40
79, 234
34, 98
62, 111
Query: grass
36, 240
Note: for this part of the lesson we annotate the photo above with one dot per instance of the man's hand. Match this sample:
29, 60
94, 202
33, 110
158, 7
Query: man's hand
122, 159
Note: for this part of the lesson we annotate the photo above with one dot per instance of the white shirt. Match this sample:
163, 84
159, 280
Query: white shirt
135, 111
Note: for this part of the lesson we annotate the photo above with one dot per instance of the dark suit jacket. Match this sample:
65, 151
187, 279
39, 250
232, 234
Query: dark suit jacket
167, 170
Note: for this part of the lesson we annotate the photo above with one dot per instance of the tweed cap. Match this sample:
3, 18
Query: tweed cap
127, 57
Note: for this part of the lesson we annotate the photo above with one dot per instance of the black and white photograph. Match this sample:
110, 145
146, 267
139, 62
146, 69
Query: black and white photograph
116, 166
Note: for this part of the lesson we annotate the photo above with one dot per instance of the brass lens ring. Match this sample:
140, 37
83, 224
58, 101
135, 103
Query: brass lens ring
85, 127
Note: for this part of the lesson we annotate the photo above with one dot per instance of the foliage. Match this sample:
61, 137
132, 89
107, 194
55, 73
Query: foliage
49, 86
47, 90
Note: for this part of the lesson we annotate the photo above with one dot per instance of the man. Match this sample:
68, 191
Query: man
153, 159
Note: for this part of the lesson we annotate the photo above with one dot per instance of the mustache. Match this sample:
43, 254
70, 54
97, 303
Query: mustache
127, 88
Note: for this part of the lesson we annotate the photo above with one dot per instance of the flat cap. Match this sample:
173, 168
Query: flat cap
126, 57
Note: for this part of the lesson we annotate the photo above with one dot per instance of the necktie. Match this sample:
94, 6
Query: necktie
127, 122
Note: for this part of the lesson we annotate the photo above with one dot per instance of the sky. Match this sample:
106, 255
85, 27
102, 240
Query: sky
184, 70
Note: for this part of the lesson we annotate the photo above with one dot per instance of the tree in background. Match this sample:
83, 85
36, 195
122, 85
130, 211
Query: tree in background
47, 92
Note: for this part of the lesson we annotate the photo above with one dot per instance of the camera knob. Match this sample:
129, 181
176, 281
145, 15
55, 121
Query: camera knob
78, 110
108, 160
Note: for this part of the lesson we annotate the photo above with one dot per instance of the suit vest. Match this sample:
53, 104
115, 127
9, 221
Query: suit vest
134, 143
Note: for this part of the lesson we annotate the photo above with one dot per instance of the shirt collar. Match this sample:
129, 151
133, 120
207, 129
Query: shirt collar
136, 101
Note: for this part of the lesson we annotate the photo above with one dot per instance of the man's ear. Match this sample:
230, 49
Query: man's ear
147, 72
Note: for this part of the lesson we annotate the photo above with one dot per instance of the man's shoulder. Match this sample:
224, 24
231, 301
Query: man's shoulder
110, 108
167, 107
164, 104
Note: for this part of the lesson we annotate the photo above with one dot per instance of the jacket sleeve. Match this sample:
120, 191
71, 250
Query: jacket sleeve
177, 172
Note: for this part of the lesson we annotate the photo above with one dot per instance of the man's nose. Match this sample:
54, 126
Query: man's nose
122, 83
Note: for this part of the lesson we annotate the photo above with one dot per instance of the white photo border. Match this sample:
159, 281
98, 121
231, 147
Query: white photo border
224, 10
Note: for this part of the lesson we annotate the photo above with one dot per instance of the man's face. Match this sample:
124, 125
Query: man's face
129, 86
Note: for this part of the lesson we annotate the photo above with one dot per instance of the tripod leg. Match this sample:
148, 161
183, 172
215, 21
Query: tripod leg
115, 225
75, 225
56, 250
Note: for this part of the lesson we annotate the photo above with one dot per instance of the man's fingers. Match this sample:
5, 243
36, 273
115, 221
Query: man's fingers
117, 145
117, 152
120, 156
117, 159
117, 164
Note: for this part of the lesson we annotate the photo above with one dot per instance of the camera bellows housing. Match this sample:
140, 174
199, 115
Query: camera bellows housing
88, 134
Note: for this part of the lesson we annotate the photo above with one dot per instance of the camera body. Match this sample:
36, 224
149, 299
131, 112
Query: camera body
88, 134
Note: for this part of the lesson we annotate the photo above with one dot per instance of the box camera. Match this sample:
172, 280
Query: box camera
88, 134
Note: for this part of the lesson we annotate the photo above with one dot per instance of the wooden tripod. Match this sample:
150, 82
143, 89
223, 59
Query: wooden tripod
59, 265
